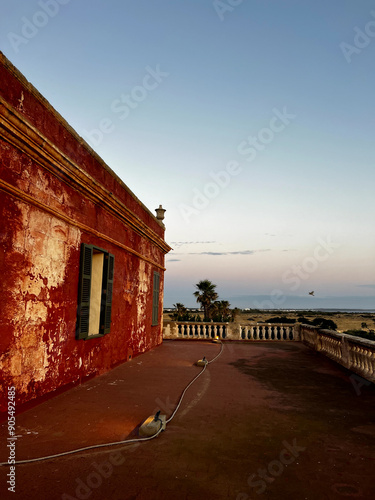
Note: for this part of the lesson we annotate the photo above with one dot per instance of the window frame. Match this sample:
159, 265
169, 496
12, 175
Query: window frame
84, 293
155, 299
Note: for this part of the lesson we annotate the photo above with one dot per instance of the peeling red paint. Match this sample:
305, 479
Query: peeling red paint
40, 258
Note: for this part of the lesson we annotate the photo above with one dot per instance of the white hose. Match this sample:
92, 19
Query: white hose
19, 462
194, 379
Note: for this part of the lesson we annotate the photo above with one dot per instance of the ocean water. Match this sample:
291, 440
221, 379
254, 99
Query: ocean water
359, 304
349, 311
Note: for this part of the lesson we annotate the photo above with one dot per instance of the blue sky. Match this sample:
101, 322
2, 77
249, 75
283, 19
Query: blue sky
251, 122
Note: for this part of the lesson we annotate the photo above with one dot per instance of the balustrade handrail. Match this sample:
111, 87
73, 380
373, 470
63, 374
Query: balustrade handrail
196, 322
230, 331
355, 353
350, 338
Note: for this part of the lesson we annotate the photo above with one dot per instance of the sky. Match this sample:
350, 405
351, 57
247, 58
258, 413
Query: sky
252, 122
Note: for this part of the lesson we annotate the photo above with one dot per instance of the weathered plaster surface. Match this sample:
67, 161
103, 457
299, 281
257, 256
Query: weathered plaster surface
40, 256
45, 246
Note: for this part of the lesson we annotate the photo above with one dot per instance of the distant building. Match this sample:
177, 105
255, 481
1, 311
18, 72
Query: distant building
81, 258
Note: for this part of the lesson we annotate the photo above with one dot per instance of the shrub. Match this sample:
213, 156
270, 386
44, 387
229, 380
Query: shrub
360, 333
326, 324
281, 319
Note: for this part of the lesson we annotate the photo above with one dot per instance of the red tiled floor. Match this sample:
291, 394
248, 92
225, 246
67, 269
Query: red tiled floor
277, 410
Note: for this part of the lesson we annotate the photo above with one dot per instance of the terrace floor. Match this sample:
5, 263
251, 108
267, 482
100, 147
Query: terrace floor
265, 420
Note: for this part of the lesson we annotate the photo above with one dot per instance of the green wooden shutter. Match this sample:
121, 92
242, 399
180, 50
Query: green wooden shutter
109, 265
155, 299
84, 290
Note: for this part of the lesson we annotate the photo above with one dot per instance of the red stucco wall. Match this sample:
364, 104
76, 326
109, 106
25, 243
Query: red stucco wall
40, 256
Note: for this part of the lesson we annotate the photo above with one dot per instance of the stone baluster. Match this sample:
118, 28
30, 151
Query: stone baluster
206, 331
367, 362
256, 332
220, 332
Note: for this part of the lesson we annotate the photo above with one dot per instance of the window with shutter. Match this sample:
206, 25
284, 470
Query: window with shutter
95, 292
155, 299
107, 293
83, 312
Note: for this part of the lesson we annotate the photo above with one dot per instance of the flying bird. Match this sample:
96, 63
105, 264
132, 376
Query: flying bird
311, 293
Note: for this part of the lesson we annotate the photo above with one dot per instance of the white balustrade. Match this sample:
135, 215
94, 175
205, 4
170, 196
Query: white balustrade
194, 330
354, 353
267, 332
229, 331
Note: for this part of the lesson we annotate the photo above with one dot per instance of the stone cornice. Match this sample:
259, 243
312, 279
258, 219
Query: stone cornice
5, 62
16, 130
30, 200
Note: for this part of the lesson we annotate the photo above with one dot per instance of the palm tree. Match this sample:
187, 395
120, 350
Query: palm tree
220, 310
180, 312
234, 312
205, 294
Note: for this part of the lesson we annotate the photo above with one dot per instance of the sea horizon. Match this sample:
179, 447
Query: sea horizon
285, 303
327, 310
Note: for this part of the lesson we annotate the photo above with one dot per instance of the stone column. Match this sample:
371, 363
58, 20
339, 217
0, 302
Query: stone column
297, 332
